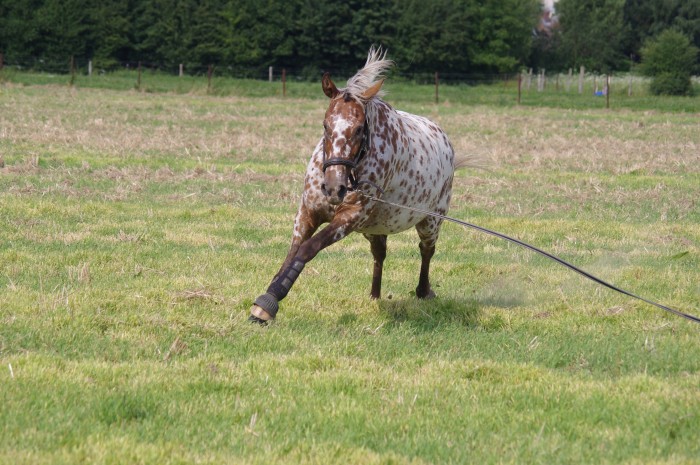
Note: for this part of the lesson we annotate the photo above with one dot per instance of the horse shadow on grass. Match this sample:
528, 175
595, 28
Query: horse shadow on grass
464, 311
428, 315
461, 305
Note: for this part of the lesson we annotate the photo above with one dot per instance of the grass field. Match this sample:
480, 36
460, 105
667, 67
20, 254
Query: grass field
557, 94
136, 229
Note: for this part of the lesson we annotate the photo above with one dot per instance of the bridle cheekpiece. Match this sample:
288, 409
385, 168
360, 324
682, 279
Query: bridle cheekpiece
351, 164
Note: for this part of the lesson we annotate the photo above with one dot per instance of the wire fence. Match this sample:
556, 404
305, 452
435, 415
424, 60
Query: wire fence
522, 84
81, 66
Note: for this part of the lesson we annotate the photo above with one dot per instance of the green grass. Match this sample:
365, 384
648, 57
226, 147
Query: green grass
505, 94
137, 228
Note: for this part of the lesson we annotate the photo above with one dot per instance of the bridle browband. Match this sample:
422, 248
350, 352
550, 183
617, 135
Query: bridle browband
351, 164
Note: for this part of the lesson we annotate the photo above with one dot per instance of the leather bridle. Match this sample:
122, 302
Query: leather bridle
351, 164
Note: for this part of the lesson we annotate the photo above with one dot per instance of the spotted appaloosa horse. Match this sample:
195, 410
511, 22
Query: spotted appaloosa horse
406, 158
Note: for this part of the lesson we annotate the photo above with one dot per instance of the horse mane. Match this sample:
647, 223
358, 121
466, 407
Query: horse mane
370, 74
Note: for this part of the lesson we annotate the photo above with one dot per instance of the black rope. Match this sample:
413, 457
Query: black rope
530, 247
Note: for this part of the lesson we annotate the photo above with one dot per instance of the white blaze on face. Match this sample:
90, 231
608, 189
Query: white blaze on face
340, 126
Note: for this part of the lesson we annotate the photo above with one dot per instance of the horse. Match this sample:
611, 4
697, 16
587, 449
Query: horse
367, 145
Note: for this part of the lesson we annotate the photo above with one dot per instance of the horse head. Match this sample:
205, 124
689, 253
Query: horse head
345, 137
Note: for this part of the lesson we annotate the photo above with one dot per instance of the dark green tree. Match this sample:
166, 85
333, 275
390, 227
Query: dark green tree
257, 34
204, 38
110, 42
20, 39
247, 36
646, 19
669, 59
63, 27
435, 36
504, 33
592, 34
162, 32
464, 36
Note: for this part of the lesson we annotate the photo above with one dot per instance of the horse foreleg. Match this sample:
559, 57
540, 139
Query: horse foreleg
266, 306
378, 247
305, 225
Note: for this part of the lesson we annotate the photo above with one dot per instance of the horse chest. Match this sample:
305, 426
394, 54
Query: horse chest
411, 160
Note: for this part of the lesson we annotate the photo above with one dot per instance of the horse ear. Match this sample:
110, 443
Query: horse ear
329, 87
372, 91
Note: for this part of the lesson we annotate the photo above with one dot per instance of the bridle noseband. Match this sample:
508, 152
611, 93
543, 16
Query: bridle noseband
351, 164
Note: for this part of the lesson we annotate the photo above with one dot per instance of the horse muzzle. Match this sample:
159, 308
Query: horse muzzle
335, 195
335, 185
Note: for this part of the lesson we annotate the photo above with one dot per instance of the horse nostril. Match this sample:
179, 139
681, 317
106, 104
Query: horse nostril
324, 190
342, 190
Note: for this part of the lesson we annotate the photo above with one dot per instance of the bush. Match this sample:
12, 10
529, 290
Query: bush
671, 84
669, 59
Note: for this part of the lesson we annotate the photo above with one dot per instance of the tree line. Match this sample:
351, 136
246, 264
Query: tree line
610, 35
451, 36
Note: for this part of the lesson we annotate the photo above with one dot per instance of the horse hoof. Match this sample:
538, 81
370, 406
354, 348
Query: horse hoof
255, 319
258, 315
427, 296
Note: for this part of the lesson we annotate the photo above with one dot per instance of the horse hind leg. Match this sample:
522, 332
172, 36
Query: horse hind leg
378, 247
428, 231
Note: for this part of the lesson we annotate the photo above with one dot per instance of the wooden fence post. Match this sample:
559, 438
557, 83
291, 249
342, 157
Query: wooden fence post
607, 91
437, 86
529, 79
269, 74
580, 80
2, 61
520, 85
629, 87
210, 71
72, 70
284, 82
138, 79
90, 68
181, 70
